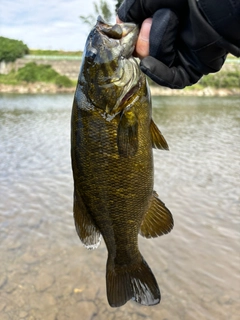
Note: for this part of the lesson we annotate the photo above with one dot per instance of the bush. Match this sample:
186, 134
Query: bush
45, 73
11, 49
33, 72
229, 79
28, 73
63, 81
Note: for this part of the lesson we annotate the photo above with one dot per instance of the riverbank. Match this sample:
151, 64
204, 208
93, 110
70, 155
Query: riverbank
40, 87
37, 87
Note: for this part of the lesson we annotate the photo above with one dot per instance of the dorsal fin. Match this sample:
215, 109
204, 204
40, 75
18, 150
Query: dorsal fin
157, 221
158, 140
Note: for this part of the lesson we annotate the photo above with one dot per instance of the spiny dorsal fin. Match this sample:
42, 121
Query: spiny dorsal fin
157, 221
158, 140
127, 136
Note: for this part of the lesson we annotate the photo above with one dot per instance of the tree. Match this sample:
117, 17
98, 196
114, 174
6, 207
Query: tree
100, 9
11, 49
119, 2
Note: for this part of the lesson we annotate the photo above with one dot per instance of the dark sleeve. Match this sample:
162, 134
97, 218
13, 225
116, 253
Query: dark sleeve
138, 10
224, 17
208, 23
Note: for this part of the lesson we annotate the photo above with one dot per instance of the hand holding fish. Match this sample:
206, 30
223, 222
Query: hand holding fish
182, 40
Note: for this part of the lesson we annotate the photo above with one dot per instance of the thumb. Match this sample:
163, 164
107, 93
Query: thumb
175, 77
142, 45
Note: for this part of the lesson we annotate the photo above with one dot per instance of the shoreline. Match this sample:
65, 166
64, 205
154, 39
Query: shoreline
42, 88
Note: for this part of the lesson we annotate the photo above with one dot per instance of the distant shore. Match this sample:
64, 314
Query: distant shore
36, 88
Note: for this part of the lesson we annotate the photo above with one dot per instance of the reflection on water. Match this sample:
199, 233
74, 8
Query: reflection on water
45, 273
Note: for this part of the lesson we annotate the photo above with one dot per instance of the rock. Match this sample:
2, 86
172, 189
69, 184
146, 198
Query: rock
3, 280
50, 316
83, 310
23, 314
225, 299
42, 301
43, 282
14, 245
29, 258
2, 305
4, 316
10, 287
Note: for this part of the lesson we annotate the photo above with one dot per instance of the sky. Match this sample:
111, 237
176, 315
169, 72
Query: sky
47, 24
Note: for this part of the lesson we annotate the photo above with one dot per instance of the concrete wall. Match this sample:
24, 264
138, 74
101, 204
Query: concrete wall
68, 66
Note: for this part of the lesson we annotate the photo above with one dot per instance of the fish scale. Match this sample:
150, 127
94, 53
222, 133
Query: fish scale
112, 163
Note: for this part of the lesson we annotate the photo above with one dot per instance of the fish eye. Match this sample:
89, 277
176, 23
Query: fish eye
91, 54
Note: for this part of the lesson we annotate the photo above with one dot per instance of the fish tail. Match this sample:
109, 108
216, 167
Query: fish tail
135, 282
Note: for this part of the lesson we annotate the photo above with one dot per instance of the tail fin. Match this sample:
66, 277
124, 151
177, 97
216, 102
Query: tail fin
135, 282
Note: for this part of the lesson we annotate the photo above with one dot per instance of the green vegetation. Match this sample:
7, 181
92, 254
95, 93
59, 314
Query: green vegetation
230, 79
222, 79
32, 72
119, 2
101, 8
54, 53
9, 78
11, 49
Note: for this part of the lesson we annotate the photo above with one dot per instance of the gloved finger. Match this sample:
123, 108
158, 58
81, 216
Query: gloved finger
174, 77
163, 36
138, 10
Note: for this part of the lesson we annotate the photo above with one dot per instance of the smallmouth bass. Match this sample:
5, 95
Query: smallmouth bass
112, 138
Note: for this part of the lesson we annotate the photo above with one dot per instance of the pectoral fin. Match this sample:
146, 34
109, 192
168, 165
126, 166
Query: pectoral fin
157, 221
127, 136
158, 140
85, 227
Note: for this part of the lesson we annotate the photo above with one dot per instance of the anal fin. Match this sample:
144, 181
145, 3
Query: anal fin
85, 227
158, 140
158, 219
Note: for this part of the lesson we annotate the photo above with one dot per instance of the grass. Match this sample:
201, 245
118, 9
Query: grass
9, 78
33, 72
230, 79
221, 79
39, 52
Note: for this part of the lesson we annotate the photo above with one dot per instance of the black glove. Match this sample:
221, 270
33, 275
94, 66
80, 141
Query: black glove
183, 45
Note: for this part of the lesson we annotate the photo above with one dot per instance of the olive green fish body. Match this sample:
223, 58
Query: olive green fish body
112, 139
116, 189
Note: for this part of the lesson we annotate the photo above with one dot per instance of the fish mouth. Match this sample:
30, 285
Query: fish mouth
109, 69
126, 33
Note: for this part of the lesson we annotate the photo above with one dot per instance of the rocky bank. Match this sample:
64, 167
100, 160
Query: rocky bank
33, 88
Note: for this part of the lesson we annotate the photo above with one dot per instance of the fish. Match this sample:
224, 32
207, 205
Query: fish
112, 137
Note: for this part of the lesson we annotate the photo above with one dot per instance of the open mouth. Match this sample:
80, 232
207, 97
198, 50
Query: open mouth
117, 31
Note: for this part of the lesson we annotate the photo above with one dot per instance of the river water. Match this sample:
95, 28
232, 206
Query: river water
46, 273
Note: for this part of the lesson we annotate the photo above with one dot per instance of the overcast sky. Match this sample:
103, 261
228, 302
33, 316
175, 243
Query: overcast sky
47, 24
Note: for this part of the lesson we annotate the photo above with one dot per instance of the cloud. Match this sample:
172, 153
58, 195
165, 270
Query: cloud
51, 24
